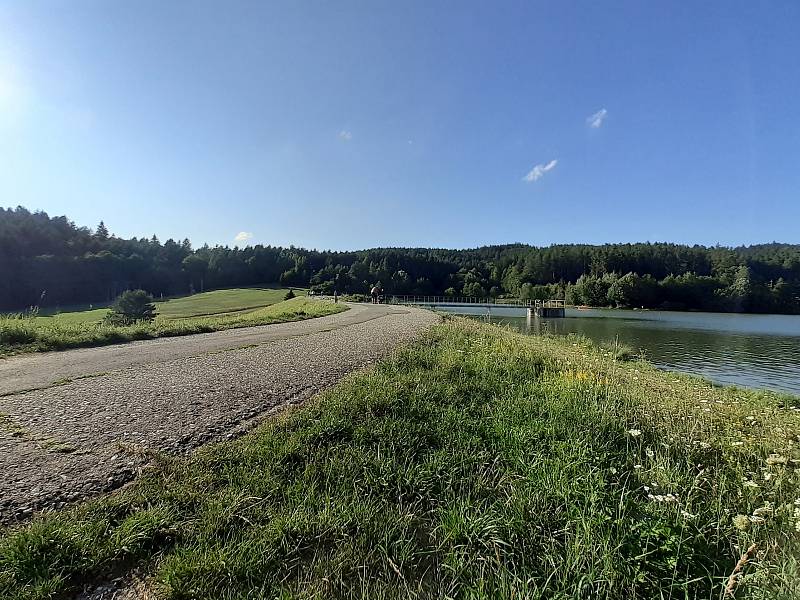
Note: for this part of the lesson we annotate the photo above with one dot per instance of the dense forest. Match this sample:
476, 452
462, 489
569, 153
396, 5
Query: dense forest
49, 261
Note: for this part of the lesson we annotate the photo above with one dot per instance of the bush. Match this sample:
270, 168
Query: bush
131, 307
289, 295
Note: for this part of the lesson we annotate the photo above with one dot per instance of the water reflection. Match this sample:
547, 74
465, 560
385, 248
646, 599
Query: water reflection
760, 351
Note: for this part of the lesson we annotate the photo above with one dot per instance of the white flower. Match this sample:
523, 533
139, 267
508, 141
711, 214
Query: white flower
637, 466
650, 453
750, 484
634, 432
764, 510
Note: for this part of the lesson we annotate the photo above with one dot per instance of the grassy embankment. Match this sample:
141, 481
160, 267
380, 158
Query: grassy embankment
210, 311
477, 464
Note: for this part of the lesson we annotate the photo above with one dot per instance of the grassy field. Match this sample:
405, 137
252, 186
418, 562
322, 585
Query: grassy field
477, 464
220, 301
38, 334
204, 304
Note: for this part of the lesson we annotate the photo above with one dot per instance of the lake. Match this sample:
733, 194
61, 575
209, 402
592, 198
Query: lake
757, 351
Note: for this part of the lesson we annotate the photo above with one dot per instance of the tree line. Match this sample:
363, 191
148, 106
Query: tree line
49, 261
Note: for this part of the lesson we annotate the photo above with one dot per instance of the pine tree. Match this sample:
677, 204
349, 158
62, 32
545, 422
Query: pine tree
102, 231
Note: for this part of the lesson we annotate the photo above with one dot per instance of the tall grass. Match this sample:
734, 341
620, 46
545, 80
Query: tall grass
26, 333
477, 464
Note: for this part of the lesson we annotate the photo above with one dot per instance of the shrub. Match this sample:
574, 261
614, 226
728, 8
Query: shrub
289, 295
131, 307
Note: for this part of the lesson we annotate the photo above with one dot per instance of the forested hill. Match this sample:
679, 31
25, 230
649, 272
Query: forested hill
48, 261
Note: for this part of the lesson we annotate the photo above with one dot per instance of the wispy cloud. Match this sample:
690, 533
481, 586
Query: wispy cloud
243, 236
596, 120
345, 135
539, 170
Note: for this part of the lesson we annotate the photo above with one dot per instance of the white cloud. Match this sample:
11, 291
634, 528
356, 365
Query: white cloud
243, 236
596, 120
345, 135
539, 170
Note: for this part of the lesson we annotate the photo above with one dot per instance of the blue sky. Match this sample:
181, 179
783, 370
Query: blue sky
453, 124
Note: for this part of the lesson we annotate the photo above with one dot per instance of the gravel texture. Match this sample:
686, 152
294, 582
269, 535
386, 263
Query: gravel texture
75, 440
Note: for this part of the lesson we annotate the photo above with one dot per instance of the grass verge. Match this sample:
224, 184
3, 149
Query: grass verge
477, 464
18, 335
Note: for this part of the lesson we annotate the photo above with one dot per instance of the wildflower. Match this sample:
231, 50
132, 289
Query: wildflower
750, 484
763, 510
737, 444
613, 471
650, 453
637, 466
634, 432
687, 515
758, 520
797, 526
741, 522
776, 459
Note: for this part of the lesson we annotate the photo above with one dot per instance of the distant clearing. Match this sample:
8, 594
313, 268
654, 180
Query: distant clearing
220, 301
207, 303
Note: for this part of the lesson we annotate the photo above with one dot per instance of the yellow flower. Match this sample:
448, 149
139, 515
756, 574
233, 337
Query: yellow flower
741, 522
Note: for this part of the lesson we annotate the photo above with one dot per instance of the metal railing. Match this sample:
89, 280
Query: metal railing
451, 300
554, 303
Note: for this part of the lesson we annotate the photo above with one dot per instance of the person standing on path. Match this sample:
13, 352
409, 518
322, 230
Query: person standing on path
374, 292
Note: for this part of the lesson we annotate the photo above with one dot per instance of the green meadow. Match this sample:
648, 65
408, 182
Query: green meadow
203, 304
200, 313
478, 464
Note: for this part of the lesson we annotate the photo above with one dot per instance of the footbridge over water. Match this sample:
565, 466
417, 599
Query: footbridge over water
536, 308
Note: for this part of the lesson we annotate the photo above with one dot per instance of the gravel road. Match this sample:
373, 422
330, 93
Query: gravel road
91, 432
